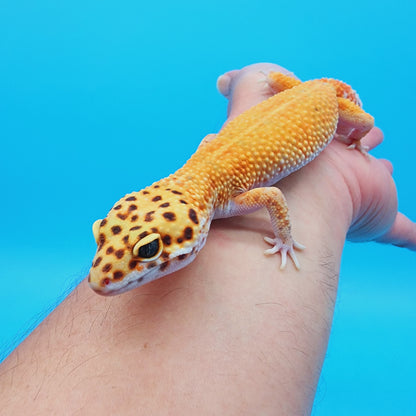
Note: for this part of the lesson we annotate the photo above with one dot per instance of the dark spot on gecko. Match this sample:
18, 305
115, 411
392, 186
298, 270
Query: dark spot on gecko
118, 274
156, 198
133, 264
168, 189
154, 230
110, 250
118, 206
119, 253
140, 278
132, 207
101, 240
183, 202
116, 229
131, 198
149, 216
188, 233
164, 265
107, 267
136, 227
170, 216
165, 255
167, 240
151, 265
164, 205
177, 192
97, 262
179, 240
143, 234
182, 256
103, 222
146, 192
193, 216
126, 239
156, 186
134, 218
122, 216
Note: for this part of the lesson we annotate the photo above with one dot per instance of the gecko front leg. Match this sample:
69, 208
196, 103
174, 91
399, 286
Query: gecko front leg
272, 198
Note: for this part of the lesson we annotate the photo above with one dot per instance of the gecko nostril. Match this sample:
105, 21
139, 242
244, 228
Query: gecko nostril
106, 281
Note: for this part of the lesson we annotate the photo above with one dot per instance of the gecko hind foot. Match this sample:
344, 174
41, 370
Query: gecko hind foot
284, 249
361, 148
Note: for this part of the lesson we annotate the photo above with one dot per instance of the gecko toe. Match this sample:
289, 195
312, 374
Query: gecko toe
284, 249
298, 246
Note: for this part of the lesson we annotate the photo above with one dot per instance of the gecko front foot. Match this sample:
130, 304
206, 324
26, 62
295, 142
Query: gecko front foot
284, 249
272, 199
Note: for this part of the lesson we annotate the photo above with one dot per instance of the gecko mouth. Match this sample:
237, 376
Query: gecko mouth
111, 288
106, 287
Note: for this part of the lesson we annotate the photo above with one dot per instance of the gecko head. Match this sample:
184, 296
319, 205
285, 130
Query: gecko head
146, 235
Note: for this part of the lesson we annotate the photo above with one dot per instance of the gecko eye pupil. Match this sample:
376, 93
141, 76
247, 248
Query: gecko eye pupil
149, 250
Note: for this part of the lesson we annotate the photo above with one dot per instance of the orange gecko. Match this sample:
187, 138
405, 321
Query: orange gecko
160, 229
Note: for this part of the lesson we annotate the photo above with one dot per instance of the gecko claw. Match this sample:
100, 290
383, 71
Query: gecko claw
284, 249
361, 148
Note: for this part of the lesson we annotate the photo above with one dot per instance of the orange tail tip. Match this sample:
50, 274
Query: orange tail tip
343, 90
279, 82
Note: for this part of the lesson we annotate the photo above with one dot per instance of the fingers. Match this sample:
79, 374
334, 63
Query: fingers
207, 139
388, 165
373, 138
402, 233
247, 87
224, 82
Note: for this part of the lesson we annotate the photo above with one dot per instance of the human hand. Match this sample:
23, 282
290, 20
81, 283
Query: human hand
365, 185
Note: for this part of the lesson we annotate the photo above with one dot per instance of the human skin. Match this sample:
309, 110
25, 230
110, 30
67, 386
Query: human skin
231, 333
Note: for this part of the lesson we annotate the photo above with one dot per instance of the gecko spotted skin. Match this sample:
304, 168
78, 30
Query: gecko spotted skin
160, 229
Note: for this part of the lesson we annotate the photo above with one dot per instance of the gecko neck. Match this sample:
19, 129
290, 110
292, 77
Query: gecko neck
196, 187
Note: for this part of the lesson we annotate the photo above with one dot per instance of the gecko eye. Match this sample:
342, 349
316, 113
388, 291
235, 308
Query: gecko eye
148, 248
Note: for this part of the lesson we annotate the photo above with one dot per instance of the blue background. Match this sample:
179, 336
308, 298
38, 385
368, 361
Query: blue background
100, 98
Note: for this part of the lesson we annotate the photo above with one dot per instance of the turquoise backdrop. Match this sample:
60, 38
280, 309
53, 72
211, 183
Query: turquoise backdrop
99, 98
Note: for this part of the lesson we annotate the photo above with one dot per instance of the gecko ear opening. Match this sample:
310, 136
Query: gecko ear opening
148, 248
95, 229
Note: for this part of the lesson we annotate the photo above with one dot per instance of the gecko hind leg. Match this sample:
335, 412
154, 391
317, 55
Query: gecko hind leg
353, 124
272, 199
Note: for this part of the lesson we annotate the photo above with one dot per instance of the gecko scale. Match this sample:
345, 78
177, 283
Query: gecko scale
160, 229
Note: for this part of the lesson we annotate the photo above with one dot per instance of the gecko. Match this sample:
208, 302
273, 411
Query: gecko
160, 229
